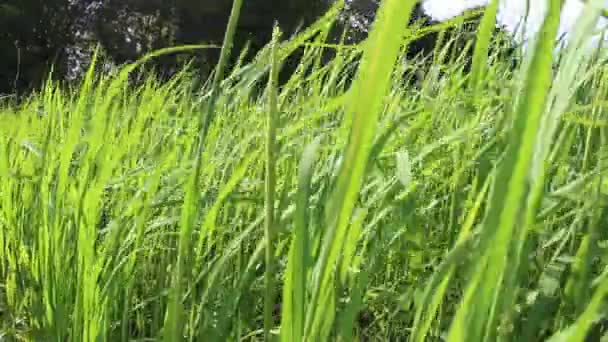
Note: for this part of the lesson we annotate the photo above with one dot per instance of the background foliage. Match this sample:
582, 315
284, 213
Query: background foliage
62, 33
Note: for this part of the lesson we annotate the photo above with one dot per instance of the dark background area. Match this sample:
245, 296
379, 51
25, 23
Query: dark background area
39, 34
42, 35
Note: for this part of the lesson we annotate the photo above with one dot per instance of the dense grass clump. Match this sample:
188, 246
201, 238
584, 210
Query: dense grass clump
470, 207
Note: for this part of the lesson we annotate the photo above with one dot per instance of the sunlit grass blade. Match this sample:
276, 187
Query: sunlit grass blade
373, 78
476, 319
270, 184
480, 55
298, 264
174, 324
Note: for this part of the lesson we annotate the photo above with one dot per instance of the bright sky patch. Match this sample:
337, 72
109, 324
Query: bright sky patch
511, 15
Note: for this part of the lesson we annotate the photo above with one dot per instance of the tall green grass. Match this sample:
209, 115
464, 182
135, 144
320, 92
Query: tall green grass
345, 204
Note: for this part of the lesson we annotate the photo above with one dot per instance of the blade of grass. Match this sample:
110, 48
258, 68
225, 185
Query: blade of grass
174, 315
298, 264
476, 318
437, 286
271, 150
480, 55
369, 89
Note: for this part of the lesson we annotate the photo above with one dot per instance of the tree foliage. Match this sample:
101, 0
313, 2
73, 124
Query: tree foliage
62, 33
33, 34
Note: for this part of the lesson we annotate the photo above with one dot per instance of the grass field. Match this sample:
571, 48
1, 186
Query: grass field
470, 207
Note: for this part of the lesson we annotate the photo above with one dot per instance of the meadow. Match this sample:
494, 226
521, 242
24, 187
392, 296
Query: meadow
349, 203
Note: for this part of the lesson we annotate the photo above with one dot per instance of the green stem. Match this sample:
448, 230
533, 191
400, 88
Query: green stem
174, 325
209, 114
270, 187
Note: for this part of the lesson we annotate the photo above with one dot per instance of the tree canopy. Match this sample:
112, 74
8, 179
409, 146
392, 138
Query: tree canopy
40, 34
33, 36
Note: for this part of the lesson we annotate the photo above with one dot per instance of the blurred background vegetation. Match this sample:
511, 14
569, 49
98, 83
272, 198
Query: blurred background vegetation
38, 34
41, 36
